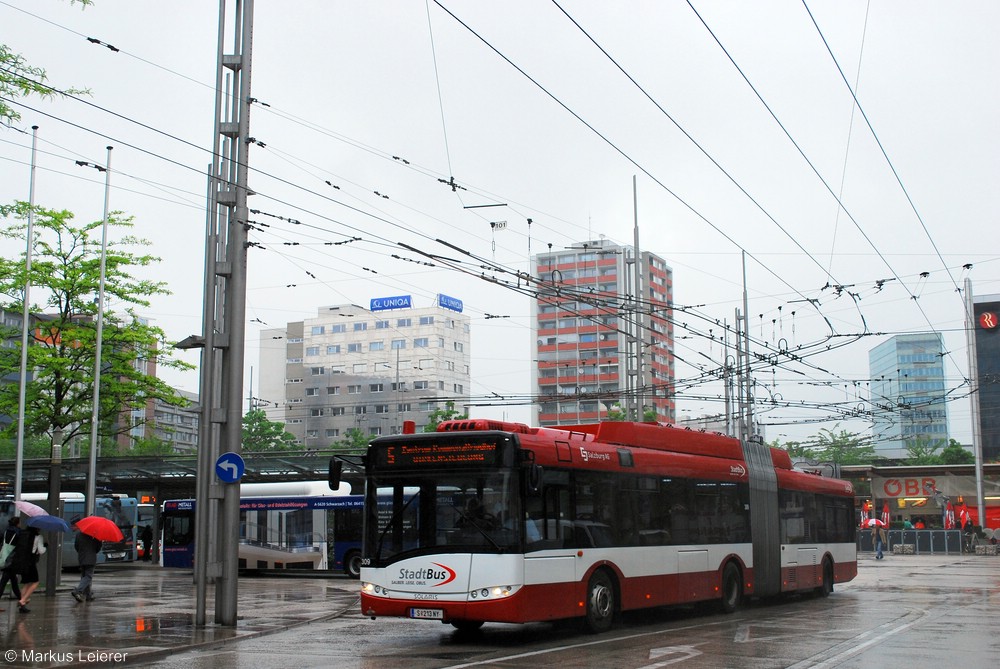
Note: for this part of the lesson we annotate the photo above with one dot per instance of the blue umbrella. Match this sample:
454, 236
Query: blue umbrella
49, 523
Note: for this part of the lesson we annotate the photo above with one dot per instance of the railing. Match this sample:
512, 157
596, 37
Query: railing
923, 541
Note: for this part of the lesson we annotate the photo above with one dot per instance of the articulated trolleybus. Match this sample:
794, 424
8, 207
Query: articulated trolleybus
492, 521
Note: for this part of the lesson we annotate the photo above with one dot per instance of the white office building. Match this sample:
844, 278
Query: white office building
366, 368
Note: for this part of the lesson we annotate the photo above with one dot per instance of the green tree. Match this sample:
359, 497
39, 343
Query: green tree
151, 446
439, 415
956, 454
796, 450
18, 79
354, 441
922, 452
65, 273
843, 447
261, 434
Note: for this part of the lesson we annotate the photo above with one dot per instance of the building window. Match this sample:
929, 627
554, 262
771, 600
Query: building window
315, 412
403, 407
359, 368
381, 325
440, 385
399, 386
376, 346
312, 350
354, 390
312, 434
404, 322
332, 349
374, 431
332, 432
295, 340
316, 371
354, 348
458, 388
318, 329
360, 326
427, 320
421, 342
398, 344
339, 327
360, 410
333, 390
312, 392
440, 342
375, 387
293, 380
338, 411
381, 408
420, 385
459, 346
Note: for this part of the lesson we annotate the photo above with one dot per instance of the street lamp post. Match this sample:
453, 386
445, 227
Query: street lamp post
95, 412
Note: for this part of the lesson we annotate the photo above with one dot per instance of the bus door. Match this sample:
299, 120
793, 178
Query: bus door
550, 556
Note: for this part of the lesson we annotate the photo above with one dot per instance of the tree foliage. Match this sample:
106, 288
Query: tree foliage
65, 277
956, 454
19, 79
354, 441
261, 434
843, 447
439, 415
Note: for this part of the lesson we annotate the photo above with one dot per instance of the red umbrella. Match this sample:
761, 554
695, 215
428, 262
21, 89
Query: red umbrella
29, 509
102, 529
875, 522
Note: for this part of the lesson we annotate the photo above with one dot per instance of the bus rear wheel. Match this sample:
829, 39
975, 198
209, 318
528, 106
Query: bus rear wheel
352, 564
826, 586
601, 604
732, 589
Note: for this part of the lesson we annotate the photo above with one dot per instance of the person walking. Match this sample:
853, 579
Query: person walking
10, 573
87, 548
29, 548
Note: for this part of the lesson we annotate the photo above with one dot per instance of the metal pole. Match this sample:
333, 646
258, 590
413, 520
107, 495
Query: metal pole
639, 379
52, 566
95, 412
977, 435
25, 322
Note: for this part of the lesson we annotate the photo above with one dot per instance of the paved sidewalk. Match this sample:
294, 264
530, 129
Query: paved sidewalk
142, 612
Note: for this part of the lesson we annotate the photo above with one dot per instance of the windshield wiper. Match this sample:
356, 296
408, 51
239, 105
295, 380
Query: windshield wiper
471, 521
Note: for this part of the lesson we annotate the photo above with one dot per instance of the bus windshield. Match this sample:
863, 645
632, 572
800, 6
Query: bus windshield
465, 510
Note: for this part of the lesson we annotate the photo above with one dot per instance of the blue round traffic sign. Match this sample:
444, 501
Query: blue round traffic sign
230, 467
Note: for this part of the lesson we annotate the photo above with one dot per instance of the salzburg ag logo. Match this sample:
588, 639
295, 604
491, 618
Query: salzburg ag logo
987, 320
590, 455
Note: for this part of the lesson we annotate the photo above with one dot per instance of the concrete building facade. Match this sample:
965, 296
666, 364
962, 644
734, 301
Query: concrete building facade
365, 368
601, 341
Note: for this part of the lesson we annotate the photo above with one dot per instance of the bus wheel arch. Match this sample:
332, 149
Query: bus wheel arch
602, 601
352, 563
732, 587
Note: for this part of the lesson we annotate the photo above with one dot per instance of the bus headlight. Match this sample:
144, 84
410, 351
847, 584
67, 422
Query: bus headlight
494, 592
372, 589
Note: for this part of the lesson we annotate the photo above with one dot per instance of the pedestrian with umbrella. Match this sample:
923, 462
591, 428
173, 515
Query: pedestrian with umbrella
29, 548
8, 572
90, 532
878, 535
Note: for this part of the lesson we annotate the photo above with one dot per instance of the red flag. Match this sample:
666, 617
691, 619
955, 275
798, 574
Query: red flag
885, 514
865, 510
949, 517
963, 515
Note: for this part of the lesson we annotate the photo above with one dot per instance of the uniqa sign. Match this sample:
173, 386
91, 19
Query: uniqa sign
452, 303
397, 302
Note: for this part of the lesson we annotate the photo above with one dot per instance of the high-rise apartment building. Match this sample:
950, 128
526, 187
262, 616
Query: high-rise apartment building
908, 394
603, 333
987, 335
369, 369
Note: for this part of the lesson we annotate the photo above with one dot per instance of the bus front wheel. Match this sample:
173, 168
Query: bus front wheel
352, 564
732, 589
601, 605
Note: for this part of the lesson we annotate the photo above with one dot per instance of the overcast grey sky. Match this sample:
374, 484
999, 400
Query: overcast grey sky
735, 118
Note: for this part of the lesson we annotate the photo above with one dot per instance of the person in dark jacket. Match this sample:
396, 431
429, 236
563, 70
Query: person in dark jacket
87, 548
30, 548
10, 574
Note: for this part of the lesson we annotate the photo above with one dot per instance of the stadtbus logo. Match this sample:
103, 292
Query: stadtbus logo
737, 470
425, 575
987, 320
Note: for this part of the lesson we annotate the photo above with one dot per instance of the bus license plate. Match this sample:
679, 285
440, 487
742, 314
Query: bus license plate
427, 614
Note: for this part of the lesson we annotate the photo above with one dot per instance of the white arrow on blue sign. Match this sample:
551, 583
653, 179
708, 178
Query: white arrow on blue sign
230, 467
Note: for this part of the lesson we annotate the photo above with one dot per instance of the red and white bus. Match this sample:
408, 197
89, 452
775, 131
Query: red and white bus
492, 521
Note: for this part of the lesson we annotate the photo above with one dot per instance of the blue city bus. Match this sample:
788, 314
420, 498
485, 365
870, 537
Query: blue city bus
283, 526
119, 508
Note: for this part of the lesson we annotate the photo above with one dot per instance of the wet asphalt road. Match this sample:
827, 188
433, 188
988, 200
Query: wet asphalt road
904, 611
